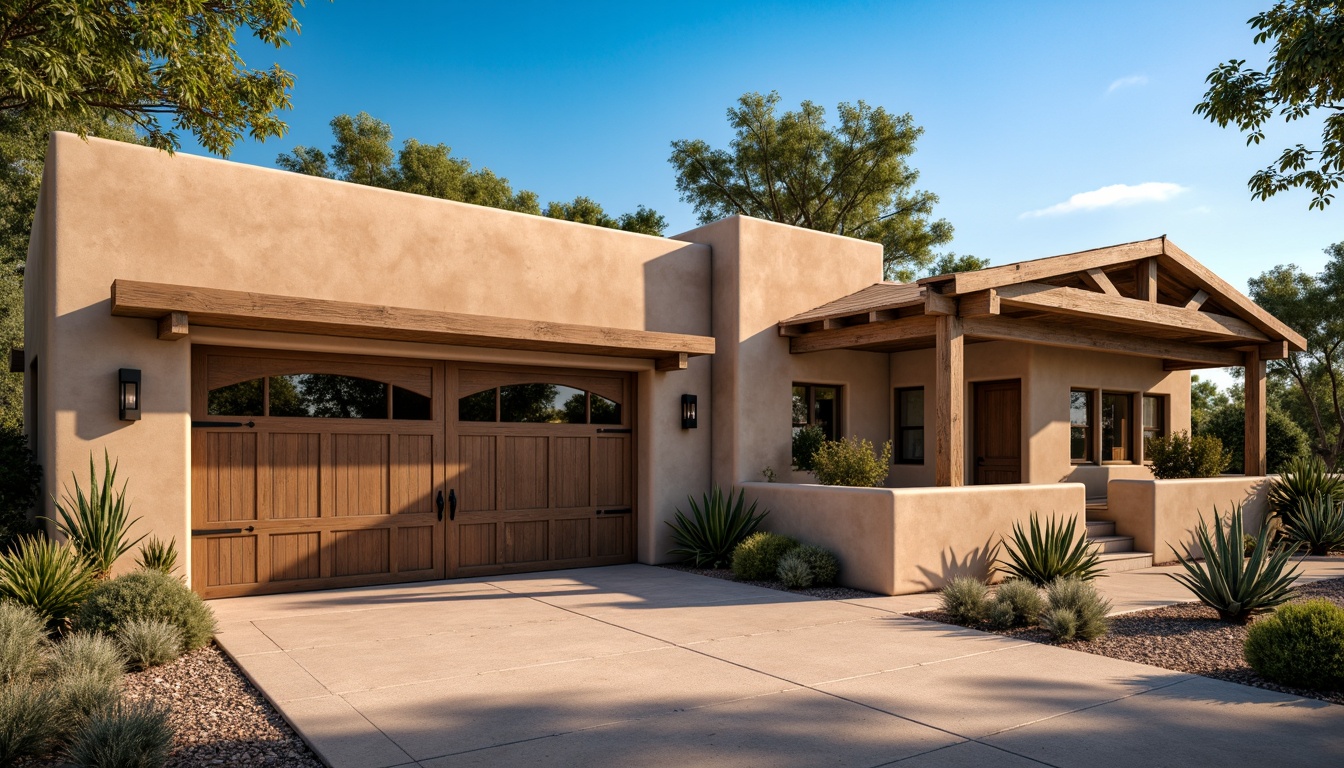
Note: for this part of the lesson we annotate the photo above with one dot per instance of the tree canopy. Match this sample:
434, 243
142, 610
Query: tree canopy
363, 154
1305, 73
150, 62
852, 179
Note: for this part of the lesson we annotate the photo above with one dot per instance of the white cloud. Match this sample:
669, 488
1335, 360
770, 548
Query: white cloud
1133, 81
1113, 196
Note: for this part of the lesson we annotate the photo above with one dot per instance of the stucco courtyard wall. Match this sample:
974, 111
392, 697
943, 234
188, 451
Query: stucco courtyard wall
897, 541
1162, 514
112, 210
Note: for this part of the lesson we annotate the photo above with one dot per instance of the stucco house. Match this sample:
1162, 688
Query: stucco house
312, 384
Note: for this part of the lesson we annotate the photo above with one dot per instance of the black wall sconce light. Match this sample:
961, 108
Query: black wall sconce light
688, 417
129, 389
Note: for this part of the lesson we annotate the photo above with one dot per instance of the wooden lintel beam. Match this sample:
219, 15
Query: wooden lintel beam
677, 362
1274, 350
979, 304
1145, 280
1059, 335
905, 329
173, 326
1098, 281
218, 308
937, 304
1197, 299
1132, 312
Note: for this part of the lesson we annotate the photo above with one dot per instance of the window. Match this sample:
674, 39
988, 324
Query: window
318, 395
1116, 426
539, 403
1154, 417
816, 405
910, 425
1080, 426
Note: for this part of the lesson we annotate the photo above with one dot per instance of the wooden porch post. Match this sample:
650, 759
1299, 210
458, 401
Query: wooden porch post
1255, 414
949, 397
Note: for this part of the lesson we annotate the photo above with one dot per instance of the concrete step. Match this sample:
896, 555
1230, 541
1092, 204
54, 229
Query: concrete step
1111, 544
1097, 528
1114, 562
1096, 509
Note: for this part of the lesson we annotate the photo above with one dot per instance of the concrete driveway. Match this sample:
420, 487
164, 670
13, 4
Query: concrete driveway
638, 665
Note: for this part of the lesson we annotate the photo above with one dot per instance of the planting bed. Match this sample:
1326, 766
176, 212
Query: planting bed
1185, 638
823, 593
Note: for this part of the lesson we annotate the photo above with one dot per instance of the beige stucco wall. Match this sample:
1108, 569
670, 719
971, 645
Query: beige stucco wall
1047, 375
1164, 514
120, 211
897, 541
763, 273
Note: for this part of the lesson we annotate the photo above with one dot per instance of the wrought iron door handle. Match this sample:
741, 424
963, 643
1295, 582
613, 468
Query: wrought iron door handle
452, 504
438, 502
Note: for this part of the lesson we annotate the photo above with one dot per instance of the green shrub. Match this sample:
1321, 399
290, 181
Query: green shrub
1046, 554
148, 595
26, 722
794, 571
20, 484
97, 524
1234, 585
1305, 478
1023, 599
966, 599
1001, 615
806, 441
130, 735
1301, 645
825, 567
87, 653
707, 540
1316, 523
23, 643
1180, 455
47, 576
158, 556
757, 557
852, 462
1081, 599
1061, 623
78, 696
149, 642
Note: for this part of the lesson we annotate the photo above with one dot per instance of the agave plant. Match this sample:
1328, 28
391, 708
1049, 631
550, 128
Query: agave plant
155, 555
716, 527
1317, 522
1302, 479
1235, 586
97, 523
47, 576
1053, 552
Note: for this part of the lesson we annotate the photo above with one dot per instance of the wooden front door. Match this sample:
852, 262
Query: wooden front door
540, 469
314, 471
998, 432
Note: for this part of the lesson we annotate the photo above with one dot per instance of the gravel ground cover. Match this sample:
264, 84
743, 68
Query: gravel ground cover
824, 593
220, 718
1185, 638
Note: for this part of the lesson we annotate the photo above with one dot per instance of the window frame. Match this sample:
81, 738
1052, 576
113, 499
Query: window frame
837, 430
901, 429
1158, 431
1089, 428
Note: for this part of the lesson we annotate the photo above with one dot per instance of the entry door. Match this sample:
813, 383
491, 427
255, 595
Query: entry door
540, 469
314, 471
998, 432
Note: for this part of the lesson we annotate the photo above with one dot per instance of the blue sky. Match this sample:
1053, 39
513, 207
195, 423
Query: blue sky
1024, 106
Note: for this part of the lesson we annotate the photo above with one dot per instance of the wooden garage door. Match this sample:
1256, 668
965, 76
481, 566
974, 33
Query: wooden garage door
314, 471
541, 470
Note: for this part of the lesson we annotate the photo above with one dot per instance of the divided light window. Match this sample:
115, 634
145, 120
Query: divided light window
910, 425
1154, 417
1116, 426
318, 395
1080, 426
817, 405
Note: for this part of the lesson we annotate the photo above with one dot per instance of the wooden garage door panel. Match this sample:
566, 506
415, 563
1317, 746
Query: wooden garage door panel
230, 560
476, 544
571, 538
611, 536
413, 475
476, 457
294, 467
231, 476
611, 471
359, 553
359, 466
415, 548
526, 542
525, 463
295, 556
570, 472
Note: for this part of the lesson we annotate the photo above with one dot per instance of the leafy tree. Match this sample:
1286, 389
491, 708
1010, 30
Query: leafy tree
148, 61
1305, 73
851, 179
1313, 305
950, 263
363, 154
1284, 439
1205, 398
